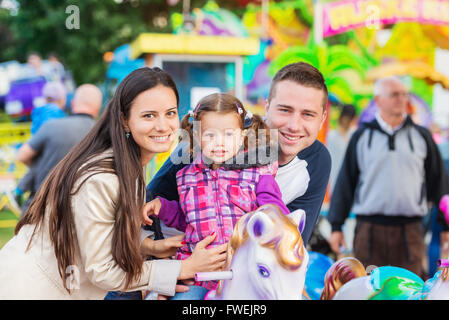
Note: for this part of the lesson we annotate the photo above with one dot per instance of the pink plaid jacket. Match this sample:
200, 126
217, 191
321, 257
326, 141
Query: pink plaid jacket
214, 200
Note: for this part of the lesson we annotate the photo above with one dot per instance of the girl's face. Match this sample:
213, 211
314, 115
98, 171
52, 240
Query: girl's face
153, 121
221, 136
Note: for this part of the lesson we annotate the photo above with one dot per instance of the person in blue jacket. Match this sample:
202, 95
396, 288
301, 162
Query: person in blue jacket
296, 109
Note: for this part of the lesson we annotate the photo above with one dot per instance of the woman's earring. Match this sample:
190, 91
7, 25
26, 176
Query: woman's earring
127, 135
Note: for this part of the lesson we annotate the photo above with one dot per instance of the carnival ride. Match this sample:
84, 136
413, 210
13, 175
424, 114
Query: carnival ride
347, 279
267, 260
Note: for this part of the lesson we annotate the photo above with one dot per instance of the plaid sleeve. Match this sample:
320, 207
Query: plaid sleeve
269, 169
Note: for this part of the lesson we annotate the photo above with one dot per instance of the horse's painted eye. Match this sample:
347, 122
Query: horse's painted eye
264, 272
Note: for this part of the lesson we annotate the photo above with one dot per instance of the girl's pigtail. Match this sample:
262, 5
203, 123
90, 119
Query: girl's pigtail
187, 131
260, 131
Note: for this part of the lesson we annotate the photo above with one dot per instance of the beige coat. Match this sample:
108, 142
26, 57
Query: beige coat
33, 274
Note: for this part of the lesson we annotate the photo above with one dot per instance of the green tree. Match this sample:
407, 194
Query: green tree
103, 26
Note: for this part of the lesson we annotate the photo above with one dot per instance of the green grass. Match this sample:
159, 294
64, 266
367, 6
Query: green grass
6, 233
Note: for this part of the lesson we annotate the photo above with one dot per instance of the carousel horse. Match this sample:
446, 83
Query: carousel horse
347, 279
266, 258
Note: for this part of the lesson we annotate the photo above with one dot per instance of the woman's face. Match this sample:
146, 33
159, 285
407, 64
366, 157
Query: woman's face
153, 121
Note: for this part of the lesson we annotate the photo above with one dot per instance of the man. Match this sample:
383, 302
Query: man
34, 65
392, 167
57, 136
296, 107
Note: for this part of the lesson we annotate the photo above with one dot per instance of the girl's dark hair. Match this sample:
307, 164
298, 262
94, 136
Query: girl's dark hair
55, 195
347, 114
223, 103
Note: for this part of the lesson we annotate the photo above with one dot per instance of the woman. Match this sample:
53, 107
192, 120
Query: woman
79, 238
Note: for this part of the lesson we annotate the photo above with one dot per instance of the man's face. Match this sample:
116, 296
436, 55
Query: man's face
297, 112
393, 99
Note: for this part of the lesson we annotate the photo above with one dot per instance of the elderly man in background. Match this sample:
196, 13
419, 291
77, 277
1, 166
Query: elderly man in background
392, 168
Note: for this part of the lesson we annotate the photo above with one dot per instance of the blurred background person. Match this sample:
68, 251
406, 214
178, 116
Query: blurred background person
54, 69
55, 96
338, 139
34, 65
57, 136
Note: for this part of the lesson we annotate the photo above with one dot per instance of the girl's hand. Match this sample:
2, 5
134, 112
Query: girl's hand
164, 248
203, 260
151, 208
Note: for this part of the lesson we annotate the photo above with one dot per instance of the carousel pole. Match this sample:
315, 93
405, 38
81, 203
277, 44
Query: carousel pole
265, 14
318, 22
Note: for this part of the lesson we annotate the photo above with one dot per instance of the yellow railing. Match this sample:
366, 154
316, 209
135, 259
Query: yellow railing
10, 135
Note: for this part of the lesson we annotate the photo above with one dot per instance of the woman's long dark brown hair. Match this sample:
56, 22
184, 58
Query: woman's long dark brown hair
55, 195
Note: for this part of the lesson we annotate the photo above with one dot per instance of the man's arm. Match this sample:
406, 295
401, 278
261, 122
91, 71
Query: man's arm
319, 166
31, 149
26, 154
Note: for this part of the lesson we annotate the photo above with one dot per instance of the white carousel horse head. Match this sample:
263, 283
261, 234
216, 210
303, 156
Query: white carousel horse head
346, 279
267, 257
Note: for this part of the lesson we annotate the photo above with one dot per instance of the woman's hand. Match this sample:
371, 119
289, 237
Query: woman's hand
203, 260
151, 208
164, 248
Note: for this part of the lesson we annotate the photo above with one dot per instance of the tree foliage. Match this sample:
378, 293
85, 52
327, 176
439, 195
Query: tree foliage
40, 26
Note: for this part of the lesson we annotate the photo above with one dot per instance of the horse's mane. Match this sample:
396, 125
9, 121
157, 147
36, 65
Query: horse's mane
286, 240
445, 274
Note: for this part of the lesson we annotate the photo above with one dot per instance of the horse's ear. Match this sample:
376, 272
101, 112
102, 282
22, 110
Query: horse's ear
299, 218
259, 225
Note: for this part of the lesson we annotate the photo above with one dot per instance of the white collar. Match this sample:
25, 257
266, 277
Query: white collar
386, 127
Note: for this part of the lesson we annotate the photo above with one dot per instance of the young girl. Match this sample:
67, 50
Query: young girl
228, 178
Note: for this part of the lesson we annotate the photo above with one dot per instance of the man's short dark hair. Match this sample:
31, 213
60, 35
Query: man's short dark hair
302, 73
